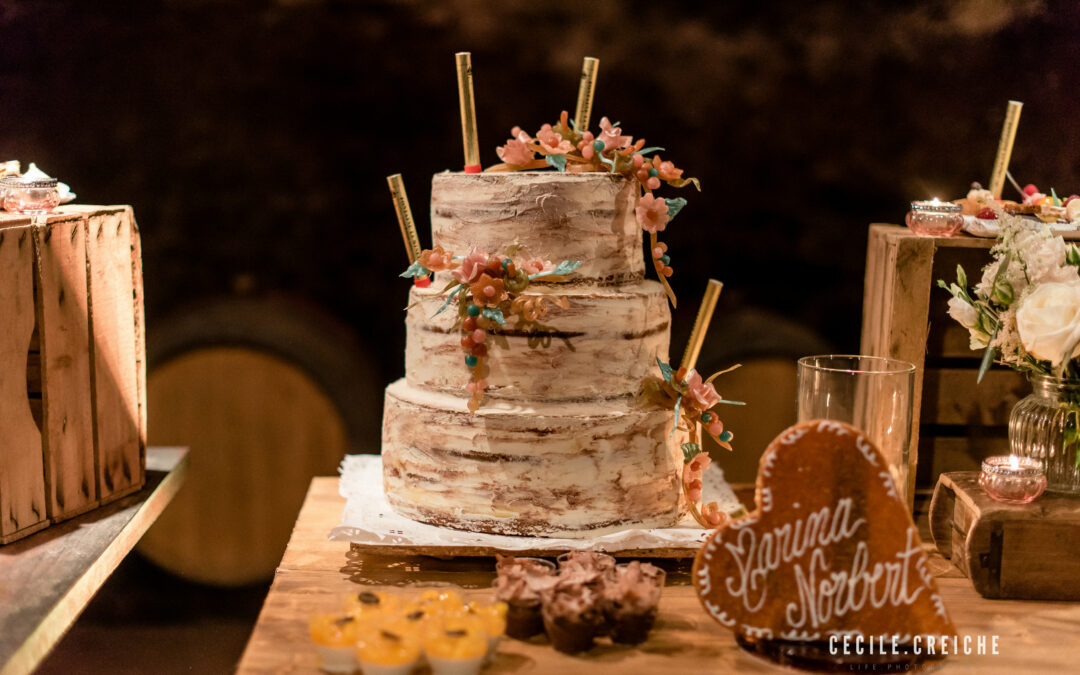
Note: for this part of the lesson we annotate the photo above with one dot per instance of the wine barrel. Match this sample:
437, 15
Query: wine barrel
267, 394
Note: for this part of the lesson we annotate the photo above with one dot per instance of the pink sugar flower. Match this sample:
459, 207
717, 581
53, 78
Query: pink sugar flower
691, 474
516, 150
585, 145
612, 135
537, 266
436, 259
473, 387
472, 266
712, 515
552, 142
652, 214
702, 394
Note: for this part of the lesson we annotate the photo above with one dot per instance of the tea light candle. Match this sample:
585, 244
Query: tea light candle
29, 195
935, 218
1012, 479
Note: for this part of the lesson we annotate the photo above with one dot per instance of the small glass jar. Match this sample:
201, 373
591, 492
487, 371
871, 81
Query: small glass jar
33, 196
1045, 426
935, 218
1011, 479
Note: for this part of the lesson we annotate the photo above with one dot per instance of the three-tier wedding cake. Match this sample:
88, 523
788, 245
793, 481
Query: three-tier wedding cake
560, 446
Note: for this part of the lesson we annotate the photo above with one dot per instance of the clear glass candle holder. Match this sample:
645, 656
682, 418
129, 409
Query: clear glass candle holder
1012, 479
32, 196
870, 393
935, 218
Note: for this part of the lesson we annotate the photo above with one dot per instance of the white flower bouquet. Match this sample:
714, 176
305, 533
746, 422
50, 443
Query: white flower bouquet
1025, 311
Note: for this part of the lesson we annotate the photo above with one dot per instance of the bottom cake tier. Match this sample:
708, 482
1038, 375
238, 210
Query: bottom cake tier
578, 469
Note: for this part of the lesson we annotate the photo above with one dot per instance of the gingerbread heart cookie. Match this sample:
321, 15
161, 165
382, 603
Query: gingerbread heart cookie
830, 550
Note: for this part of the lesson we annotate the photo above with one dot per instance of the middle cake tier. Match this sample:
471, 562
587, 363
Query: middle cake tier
601, 346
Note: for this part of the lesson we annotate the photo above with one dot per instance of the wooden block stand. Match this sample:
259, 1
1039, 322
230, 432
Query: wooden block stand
72, 365
957, 423
1028, 551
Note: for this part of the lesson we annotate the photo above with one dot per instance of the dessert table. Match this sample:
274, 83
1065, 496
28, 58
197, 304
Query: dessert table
316, 573
48, 578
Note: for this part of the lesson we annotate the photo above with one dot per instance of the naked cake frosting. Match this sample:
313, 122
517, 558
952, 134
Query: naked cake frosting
560, 446
538, 398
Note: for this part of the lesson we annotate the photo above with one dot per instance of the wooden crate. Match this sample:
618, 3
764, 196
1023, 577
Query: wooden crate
1028, 551
956, 422
72, 366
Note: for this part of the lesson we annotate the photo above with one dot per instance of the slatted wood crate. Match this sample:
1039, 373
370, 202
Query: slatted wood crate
72, 366
1024, 551
957, 422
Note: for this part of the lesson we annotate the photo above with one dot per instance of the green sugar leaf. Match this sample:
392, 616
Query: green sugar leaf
493, 314
678, 403
689, 451
645, 151
674, 206
449, 298
562, 269
415, 271
557, 161
666, 370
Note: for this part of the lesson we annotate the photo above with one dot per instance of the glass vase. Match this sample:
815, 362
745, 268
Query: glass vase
1046, 426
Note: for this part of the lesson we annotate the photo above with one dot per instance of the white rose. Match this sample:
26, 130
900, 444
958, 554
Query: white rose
1072, 210
963, 312
967, 316
1049, 321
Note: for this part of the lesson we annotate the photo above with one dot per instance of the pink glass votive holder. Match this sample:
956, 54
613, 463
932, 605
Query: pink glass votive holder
935, 218
1012, 479
33, 196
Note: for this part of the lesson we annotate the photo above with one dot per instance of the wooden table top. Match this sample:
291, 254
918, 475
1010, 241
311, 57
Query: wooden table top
315, 574
48, 578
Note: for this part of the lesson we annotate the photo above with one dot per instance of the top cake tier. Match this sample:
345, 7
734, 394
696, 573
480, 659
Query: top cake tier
550, 215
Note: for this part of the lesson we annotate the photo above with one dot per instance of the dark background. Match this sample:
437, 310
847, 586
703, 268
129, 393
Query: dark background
253, 138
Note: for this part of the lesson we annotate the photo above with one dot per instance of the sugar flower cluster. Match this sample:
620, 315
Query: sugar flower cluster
566, 148
489, 290
695, 401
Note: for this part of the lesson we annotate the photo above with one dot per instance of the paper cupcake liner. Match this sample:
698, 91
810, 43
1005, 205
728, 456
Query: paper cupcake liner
523, 621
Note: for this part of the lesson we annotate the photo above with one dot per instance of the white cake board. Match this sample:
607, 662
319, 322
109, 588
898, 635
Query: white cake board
369, 523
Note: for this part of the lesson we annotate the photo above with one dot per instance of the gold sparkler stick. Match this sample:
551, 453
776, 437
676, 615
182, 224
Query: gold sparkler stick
468, 112
701, 324
583, 111
1005, 147
404, 216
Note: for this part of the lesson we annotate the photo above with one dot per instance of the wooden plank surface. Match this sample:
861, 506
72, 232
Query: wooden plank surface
896, 306
48, 578
316, 573
116, 411
953, 396
22, 478
1009, 550
961, 452
70, 475
140, 324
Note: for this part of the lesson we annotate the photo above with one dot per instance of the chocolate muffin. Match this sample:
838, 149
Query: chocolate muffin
631, 601
572, 613
519, 584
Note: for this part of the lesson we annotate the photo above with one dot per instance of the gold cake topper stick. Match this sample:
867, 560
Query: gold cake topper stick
701, 324
404, 216
468, 112
1005, 148
585, 92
